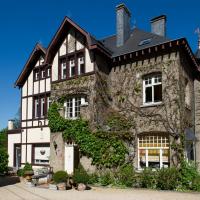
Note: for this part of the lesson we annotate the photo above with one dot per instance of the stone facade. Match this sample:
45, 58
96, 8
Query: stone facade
119, 89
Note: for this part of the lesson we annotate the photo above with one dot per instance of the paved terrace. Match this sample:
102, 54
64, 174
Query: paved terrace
20, 191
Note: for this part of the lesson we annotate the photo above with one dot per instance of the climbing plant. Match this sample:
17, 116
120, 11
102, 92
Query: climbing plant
105, 152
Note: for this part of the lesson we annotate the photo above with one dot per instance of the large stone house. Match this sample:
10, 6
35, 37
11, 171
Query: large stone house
148, 79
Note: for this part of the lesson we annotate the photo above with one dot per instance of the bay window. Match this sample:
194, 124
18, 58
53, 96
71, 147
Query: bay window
152, 89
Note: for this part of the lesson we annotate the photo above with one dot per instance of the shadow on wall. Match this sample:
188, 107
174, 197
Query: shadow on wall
8, 180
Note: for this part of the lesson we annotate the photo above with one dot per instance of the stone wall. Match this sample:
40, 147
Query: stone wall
57, 148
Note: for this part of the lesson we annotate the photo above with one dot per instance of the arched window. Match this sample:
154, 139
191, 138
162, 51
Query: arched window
153, 150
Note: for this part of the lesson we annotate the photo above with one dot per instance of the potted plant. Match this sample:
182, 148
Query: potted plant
60, 178
20, 173
28, 172
81, 178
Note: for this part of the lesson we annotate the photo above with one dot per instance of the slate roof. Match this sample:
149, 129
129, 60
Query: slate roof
133, 43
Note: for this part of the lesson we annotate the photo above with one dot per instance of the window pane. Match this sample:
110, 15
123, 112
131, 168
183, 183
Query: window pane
148, 91
157, 93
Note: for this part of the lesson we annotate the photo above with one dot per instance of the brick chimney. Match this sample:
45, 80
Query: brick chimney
158, 25
123, 16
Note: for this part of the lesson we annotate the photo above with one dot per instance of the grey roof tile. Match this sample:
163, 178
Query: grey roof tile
133, 43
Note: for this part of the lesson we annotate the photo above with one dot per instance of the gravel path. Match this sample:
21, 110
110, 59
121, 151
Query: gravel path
20, 191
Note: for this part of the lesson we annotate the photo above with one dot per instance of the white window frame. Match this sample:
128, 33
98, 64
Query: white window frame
42, 107
71, 65
73, 102
36, 108
153, 80
81, 61
165, 145
63, 67
49, 101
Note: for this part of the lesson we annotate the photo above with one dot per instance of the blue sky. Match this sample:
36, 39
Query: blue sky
25, 22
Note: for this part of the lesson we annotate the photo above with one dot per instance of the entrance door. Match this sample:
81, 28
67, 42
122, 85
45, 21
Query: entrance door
17, 156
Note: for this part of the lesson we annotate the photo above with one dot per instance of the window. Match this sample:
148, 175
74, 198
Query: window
37, 108
72, 106
41, 154
72, 70
42, 107
153, 151
36, 75
81, 65
48, 102
152, 89
63, 69
43, 73
48, 72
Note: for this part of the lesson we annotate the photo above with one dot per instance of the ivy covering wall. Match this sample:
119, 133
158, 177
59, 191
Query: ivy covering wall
106, 150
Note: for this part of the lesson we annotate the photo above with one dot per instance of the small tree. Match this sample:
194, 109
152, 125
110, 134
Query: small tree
3, 161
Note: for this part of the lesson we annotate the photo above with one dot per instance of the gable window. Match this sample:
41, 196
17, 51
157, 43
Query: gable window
43, 73
72, 70
81, 65
72, 107
36, 75
63, 69
152, 89
48, 72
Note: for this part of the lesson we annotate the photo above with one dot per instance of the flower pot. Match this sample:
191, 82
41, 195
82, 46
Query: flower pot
81, 187
22, 179
28, 175
61, 186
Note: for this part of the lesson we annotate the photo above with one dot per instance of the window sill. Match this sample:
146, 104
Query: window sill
151, 104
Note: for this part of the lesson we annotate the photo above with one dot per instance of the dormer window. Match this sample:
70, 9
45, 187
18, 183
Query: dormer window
81, 65
72, 70
63, 69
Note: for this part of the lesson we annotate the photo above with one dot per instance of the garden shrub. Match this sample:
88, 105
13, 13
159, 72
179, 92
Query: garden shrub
93, 178
3, 161
196, 183
147, 178
188, 172
106, 179
167, 179
125, 175
80, 175
60, 177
